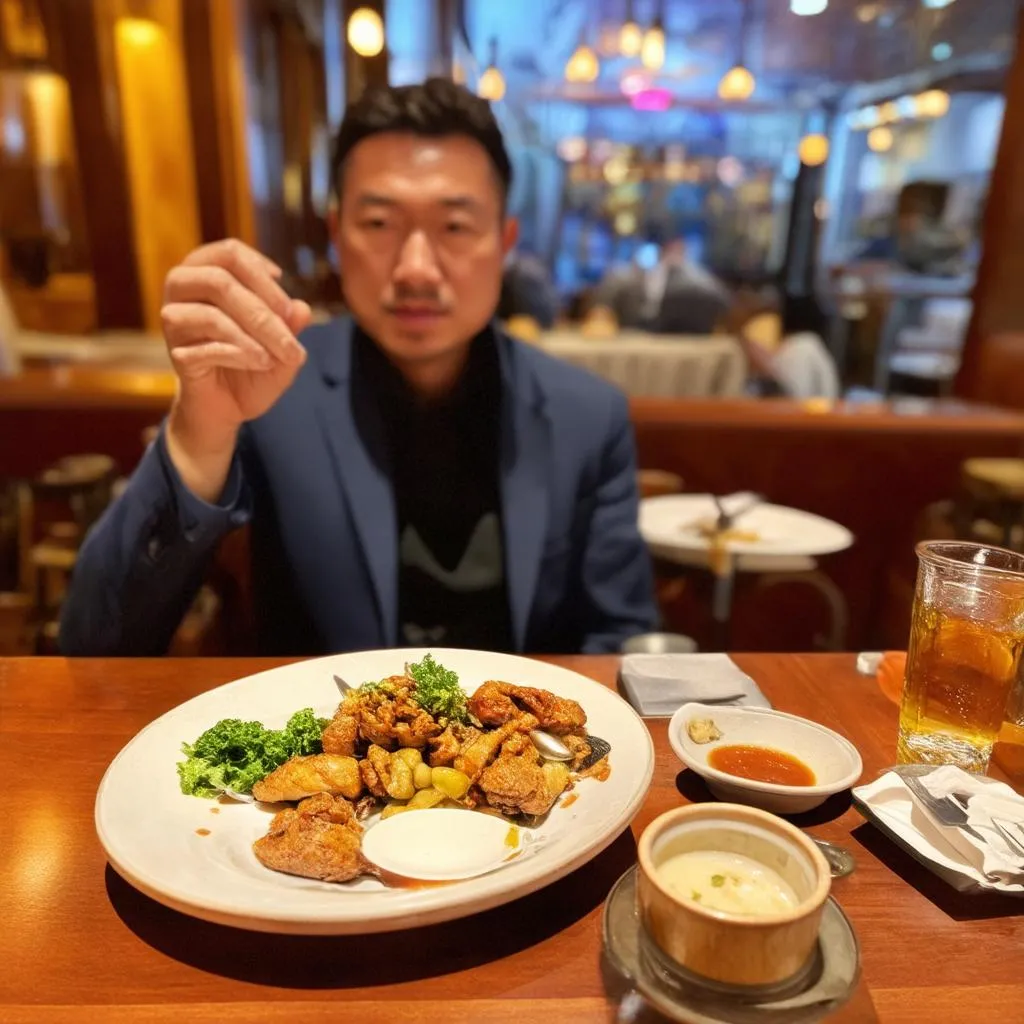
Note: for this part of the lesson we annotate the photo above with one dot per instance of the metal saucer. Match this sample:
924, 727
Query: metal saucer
828, 981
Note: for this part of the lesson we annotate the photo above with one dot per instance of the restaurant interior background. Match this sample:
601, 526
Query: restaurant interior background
859, 159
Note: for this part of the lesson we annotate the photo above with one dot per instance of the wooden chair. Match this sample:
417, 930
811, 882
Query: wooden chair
993, 492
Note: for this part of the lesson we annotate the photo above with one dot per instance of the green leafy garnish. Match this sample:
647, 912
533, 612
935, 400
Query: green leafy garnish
695, 896
235, 755
438, 691
718, 881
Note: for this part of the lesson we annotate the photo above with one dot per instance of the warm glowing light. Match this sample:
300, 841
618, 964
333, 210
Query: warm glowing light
808, 7
583, 65
634, 82
737, 84
631, 39
888, 113
880, 139
867, 13
491, 85
572, 149
366, 32
138, 31
814, 150
458, 73
625, 223
652, 51
933, 103
616, 170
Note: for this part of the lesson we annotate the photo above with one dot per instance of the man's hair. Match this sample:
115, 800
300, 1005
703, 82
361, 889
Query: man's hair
435, 108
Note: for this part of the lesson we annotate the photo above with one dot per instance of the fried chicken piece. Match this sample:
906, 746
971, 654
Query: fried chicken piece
515, 783
445, 747
342, 732
301, 777
475, 755
391, 719
495, 703
375, 770
319, 839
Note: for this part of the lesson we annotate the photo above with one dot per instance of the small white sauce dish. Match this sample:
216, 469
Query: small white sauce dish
835, 761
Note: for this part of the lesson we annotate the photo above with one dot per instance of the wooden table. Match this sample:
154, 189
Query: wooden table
80, 945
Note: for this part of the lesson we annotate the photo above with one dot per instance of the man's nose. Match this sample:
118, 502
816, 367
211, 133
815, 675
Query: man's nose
417, 263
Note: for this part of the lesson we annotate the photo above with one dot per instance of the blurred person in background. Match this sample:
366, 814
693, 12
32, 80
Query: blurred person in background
527, 290
411, 475
675, 296
787, 354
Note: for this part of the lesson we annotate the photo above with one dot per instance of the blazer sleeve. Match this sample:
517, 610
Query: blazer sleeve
143, 562
618, 581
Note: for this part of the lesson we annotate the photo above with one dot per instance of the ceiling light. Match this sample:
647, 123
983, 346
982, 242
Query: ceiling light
942, 51
880, 139
652, 50
583, 65
807, 7
492, 83
933, 103
737, 84
366, 32
814, 150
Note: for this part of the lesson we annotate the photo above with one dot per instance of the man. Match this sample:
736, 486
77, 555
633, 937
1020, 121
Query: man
675, 296
412, 476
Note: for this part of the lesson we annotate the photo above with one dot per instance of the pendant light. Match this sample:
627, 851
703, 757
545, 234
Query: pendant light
652, 50
492, 82
631, 36
583, 65
738, 83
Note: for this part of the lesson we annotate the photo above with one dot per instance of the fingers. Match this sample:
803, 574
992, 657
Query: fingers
192, 361
192, 323
300, 317
216, 287
230, 252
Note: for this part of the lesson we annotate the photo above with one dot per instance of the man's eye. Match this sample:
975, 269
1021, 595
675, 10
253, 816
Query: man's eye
375, 223
455, 228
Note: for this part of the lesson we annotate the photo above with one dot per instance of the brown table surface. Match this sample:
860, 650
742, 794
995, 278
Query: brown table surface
79, 944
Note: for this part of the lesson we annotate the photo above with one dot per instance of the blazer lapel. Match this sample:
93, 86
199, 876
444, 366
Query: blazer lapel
525, 453
363, 481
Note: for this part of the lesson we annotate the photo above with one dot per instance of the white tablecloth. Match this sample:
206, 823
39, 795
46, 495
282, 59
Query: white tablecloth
665, 366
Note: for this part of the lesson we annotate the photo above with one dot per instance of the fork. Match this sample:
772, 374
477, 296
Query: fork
1004, 827
946, 810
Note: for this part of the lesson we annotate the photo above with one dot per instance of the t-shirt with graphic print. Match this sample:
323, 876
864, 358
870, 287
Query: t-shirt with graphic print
443, 460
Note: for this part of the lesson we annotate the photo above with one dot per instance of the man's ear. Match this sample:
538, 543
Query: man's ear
509, 234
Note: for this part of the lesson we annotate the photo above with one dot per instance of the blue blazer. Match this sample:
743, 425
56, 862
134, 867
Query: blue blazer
324, 527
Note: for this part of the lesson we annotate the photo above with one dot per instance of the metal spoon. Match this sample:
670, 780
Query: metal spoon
841, 861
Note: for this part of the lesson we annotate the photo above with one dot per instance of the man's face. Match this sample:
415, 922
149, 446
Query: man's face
421, 237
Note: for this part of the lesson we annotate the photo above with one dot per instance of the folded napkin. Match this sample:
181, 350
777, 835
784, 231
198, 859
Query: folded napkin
982, 862
658, 684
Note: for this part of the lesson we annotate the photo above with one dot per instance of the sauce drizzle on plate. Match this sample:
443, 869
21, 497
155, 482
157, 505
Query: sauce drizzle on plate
761, 764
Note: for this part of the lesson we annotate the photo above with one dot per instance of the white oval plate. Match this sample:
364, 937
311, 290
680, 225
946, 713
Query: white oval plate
148, 828
666, 521
835, 761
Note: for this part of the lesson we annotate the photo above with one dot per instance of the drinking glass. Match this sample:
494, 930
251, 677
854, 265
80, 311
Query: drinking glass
964, 659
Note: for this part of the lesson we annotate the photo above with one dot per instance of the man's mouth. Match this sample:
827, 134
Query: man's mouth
417, 316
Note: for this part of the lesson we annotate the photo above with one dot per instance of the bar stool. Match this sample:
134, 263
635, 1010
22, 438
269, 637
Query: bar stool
994, 489
81, 485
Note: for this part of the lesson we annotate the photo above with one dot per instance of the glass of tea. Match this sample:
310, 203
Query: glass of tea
964, 658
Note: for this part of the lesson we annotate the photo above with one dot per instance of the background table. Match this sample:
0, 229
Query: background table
80, 945
657, 366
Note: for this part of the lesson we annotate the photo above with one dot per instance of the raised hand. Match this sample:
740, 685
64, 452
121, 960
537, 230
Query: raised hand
231, 334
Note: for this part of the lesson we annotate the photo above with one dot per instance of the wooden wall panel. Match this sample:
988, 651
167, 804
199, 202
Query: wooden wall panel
993, 363
77, 50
